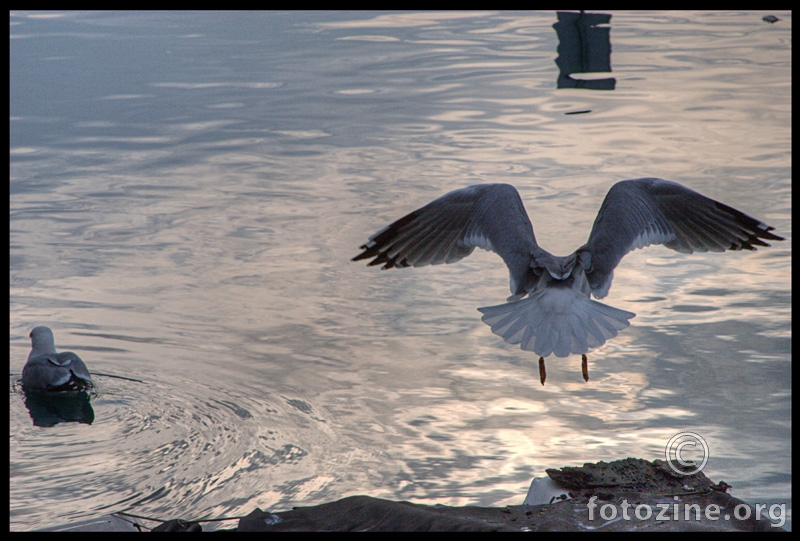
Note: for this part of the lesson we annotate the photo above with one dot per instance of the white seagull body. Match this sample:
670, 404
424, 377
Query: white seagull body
47, 370
550, 310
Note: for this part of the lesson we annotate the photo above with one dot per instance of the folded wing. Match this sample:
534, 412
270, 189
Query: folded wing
56, 371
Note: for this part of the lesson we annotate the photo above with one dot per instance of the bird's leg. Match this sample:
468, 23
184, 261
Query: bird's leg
542, 371
585, 367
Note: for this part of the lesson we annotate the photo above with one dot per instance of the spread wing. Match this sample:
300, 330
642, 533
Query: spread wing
644, 211
490, 216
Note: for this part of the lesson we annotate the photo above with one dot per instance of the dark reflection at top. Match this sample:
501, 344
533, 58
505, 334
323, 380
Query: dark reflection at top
583, 47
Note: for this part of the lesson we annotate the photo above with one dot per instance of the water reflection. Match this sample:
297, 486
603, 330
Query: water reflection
583, 47
49, 409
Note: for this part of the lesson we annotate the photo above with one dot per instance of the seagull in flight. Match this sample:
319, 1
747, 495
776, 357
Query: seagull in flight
49, 371
550, 310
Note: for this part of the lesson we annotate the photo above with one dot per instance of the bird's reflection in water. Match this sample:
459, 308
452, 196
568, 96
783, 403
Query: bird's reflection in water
49, 409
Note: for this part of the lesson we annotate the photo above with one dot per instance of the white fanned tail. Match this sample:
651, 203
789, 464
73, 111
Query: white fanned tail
559, 321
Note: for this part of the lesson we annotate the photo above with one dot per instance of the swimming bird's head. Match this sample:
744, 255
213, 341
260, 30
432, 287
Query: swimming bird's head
42, 339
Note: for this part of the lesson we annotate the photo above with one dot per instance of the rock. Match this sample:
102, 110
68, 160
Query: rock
624, 495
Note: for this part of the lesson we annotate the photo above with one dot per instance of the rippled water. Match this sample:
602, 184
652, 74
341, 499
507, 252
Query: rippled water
186, 192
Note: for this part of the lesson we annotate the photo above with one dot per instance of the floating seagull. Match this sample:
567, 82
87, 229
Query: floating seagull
47, 370
558, 316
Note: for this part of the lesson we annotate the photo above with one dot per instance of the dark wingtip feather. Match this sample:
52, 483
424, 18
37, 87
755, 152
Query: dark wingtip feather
380, 258
765, 233
367, 253
754, 229
382, 242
